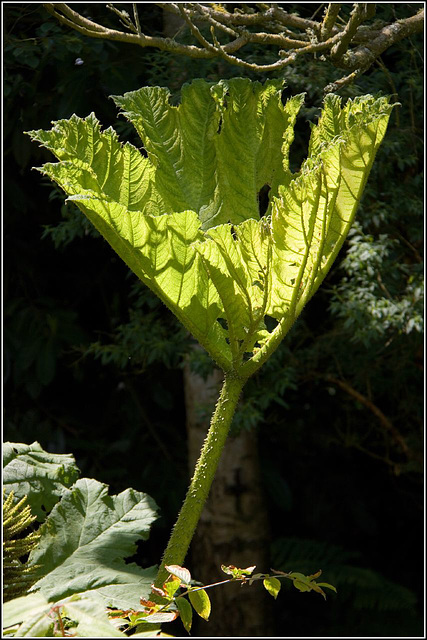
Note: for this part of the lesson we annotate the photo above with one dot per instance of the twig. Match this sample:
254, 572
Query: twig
270, 25
205, 15
124, 18
94, 30
383, 420
339, 84
290, 20
357, 16
365, 55
329, 20
383, 287
276, 39
417, 255
195, 30
136, 18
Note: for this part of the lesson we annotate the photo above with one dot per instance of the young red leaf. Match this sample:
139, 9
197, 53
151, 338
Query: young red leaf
180, 572
158, 591
229, 570
147, 603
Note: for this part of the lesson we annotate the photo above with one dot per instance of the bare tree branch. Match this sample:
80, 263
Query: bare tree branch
136, 18
329, 20
387, 36
361, 58
195, 31
206, 16
124, 18
357, 16
94, 30
351, 45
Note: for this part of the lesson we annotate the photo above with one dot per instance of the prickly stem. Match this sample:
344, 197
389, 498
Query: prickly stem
204, 474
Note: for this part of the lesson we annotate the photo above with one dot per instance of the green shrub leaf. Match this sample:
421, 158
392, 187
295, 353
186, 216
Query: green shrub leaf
171, 586
272, 585
326, 585
186, 612
201, 603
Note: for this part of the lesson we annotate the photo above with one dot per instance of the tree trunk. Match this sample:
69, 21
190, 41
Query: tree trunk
233, 528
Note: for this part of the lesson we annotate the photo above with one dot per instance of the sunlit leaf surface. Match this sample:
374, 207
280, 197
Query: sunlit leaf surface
185, 216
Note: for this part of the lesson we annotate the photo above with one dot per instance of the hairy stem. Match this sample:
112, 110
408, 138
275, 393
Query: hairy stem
204, 474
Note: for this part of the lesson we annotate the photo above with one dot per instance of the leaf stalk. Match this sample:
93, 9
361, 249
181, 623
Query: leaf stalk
204, 474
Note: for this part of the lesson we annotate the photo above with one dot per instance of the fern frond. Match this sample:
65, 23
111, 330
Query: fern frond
17, 575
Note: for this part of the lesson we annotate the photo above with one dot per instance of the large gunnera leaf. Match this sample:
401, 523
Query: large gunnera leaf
186, 217
41, 476
84, 543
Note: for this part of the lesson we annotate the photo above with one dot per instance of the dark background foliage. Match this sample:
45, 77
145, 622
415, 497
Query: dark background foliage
93, 363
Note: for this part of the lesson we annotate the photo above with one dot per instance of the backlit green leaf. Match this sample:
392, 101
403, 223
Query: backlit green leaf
214, 151
201, 603
235, 572
171, 586
326, 585
302, 586
273, 586
186, 218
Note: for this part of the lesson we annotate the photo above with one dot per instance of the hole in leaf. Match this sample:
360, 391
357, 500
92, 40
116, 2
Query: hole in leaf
270, 323
263, 199
219, 125
223, 323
